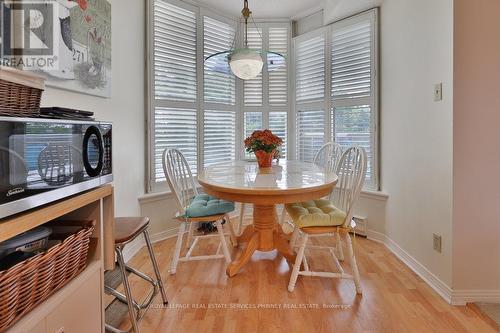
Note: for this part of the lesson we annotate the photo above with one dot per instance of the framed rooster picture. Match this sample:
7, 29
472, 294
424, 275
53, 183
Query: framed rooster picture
83, 33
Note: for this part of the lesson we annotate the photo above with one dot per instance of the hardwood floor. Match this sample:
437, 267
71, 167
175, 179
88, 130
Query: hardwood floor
203, 299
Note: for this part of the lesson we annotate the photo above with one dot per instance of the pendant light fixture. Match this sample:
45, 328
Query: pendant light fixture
245, 63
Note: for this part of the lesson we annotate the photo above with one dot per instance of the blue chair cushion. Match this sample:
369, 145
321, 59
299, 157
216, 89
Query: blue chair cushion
205, 205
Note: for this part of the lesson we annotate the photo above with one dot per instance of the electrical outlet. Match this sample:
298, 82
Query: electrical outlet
438, 92
436, 242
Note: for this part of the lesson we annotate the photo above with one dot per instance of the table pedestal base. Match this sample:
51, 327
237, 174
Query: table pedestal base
264, 235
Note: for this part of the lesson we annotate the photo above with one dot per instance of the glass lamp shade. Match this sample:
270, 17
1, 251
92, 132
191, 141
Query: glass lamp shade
246, 64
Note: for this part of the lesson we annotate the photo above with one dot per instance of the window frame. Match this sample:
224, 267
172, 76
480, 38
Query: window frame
266, 108
239, 108
327, 104
199, 105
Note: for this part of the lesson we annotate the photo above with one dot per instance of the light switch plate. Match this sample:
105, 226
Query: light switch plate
436, 242
438, 92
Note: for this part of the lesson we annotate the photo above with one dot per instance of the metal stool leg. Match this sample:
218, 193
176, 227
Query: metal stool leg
128, 292
155, 266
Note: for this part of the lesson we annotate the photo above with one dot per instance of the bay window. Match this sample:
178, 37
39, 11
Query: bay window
174, 101
326, 91
266, 98
336, 89
192, 108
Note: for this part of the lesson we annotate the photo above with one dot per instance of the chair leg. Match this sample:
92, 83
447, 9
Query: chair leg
223, 241
354, 265
189, 235
128, 292
295, 236
234, 239
177, 251
155, 267
340, 251
298, 262
242, 216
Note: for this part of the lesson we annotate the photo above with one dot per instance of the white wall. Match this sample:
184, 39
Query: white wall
125, 108
416, 132
338, 9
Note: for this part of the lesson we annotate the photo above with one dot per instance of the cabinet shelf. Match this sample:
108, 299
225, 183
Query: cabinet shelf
78, 306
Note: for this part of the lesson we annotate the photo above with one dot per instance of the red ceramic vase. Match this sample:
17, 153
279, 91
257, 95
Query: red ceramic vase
264, 159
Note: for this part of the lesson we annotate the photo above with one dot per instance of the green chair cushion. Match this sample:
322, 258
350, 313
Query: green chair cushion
315, 213
205, 205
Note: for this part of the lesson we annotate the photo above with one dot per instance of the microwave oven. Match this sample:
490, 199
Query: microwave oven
44, 160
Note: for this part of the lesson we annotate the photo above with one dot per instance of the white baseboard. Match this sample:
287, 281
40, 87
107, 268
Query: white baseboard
433, 281
462, 297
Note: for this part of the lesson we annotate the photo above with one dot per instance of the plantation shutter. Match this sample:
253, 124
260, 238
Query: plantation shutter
352, 80
278, 79
217, 37
351, 60
174, 85
219, 136
252, 89
219, 115
310, 133
251, 121
310, 96
174, 128
278, 125
174, 52
310, 69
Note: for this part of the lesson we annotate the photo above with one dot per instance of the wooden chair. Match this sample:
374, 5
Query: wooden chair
328, 156
322, 218
182, 185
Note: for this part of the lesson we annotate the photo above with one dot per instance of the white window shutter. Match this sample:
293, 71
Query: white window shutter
252, 122
278, 79
219, 136
217, 37
310, 133
174, 52
174, 123
174, 128
310, 69
252, 89
278, 125
352, 127
351, 60
352, 79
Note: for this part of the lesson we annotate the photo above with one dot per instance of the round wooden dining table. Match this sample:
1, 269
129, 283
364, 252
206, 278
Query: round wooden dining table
285, 182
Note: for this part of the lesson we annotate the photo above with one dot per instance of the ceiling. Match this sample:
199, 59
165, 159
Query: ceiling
267, 8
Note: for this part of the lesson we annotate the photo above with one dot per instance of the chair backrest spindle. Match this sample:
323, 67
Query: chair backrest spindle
351, 171
179, 178
328, 156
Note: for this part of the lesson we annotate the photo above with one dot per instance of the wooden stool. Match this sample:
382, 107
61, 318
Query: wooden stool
127, 229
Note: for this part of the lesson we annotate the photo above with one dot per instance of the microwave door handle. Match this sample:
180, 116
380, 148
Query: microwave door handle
91, 171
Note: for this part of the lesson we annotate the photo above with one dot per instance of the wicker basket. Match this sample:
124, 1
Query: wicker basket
30, 282
20, 93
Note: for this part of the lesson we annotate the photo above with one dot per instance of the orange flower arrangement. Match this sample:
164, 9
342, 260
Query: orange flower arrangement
264, 145
262, 140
